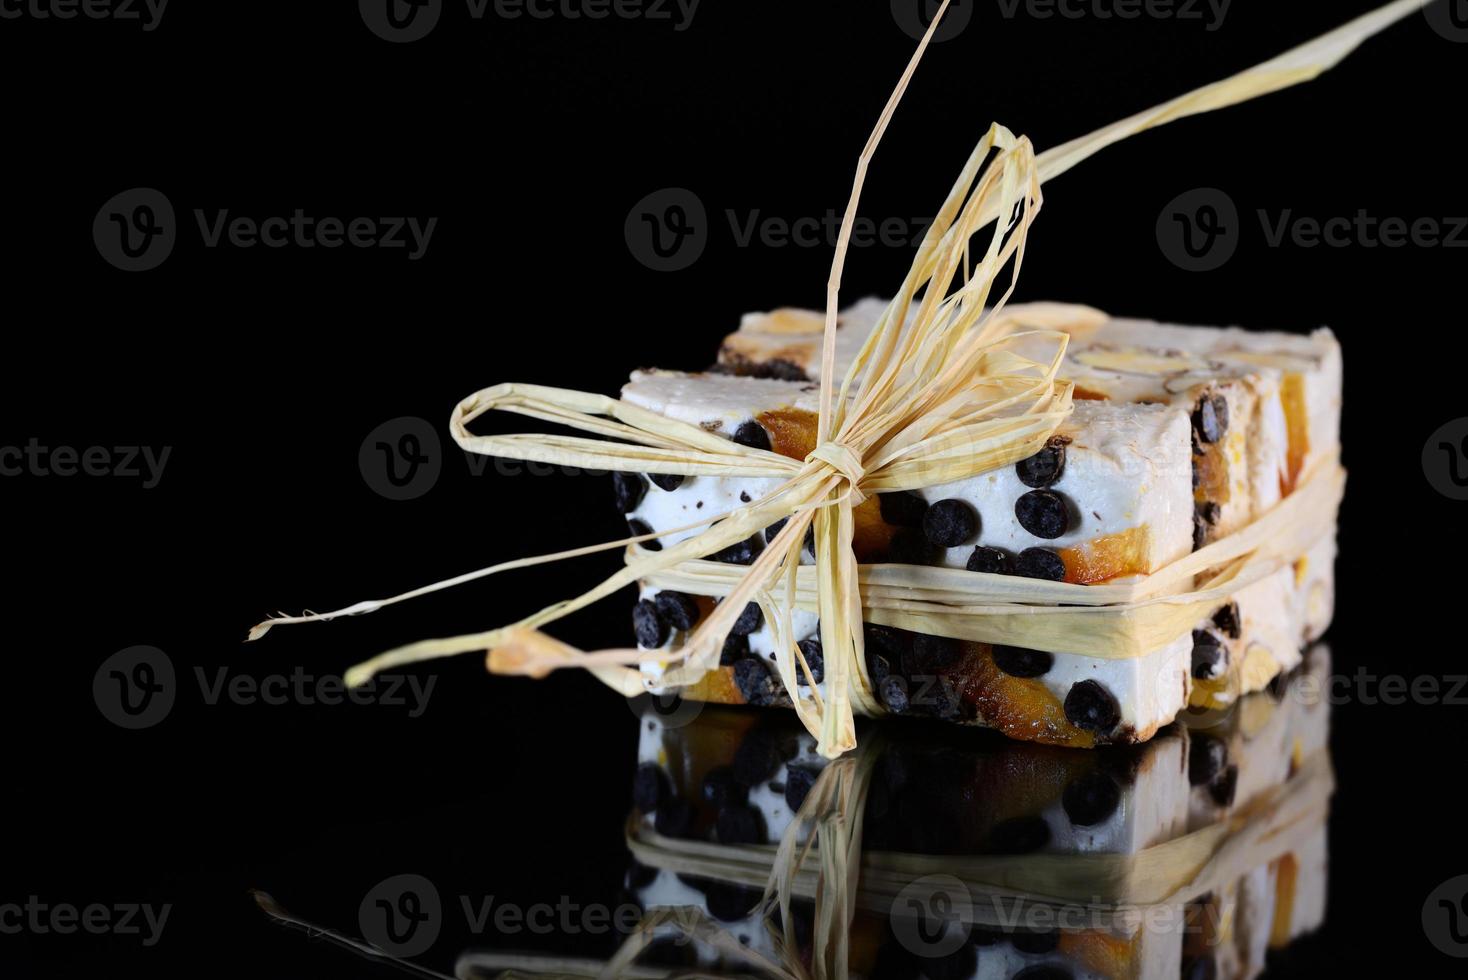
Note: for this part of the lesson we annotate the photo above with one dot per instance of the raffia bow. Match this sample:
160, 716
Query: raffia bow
937, 394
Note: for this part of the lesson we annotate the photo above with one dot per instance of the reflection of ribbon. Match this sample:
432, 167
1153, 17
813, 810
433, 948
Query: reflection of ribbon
938, 397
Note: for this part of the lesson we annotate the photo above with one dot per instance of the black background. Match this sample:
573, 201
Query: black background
530, 140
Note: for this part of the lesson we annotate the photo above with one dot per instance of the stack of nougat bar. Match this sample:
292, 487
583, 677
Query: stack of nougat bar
1105, 821
1180, 436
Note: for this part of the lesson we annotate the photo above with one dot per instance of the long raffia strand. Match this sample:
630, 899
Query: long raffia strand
939, 398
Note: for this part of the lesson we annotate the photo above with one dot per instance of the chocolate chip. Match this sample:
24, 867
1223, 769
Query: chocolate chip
637, 529
1090, 706
674, 818
666, 481
1039, 563
753, 435
651, 631
981, 936
753, 679
931, 655
1037, 942
740, 824
1207, 755
749, 620
1043, 513
957, 965
893, 693
799, 780
744, 497
1019, 835
1210, 418
738, 553
1044, 468
650, 787
1227, 619
1090, 798
990, 560
910, 546
639, 875
810, 534
1044, 971
736, 648
721, 789
757, 759
811, 649
1225, 786
1209, 511
1209, 656
902, 508
1200, 531
628, 489
1020, 662
730, 903
950, 523
678, 609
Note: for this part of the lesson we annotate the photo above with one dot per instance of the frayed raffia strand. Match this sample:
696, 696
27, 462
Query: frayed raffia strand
924, 392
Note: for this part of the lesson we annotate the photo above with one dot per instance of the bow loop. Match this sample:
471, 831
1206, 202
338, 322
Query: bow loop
844, 460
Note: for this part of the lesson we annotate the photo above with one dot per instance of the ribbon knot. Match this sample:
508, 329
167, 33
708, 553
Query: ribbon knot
843, 460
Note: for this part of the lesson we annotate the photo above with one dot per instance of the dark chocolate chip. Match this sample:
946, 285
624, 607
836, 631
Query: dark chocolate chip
628, 488
1090, 706
893, 692
810, 534
738, 553
744, 497
650, 787
1043, 513
651, 631
1019, 835
1039, 563
811, 649
749, 620
1209, 656
878, 668
637, 529
1021, 662
740, 824
1035, 941
990, 560
1090, 798
757, 759
678, 609
753, 679
674, 818
798, 783
639, 875
982, 936
670, 951
1044, 971
1227, 619
1199, 968
957, 965
1208, 511
1044, 468
721, 789
910, 546
1207, 755
950, 523
1225, 786
736, 648
666, 481
902, 508
730, 903
1200, 531
930, 655
753, 435
1210, 418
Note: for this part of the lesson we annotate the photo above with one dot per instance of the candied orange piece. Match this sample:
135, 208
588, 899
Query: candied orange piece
1107, 557
1099, 952
1020, 707
1297, 430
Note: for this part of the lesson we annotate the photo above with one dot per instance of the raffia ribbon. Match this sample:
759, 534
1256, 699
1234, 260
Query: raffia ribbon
939, 396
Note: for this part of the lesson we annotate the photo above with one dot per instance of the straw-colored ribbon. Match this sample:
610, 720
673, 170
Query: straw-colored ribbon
934, 396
